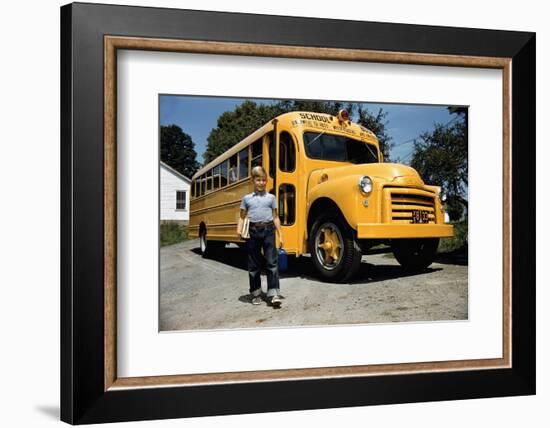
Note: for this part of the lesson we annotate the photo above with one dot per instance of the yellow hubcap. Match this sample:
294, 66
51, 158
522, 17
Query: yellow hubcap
330, 245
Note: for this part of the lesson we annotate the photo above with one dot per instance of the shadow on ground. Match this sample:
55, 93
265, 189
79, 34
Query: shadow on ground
456, 257
369, 273
246, 298
303, 268
232, 256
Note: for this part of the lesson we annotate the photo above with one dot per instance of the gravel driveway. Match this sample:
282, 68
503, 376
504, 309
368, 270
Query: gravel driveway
197, 293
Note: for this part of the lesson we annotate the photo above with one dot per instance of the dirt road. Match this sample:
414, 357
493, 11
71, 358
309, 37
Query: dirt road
197, 293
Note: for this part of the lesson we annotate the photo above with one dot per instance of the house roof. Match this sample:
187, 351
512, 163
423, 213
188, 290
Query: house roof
176, 173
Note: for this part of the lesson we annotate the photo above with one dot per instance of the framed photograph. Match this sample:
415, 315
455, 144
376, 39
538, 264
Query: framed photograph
312, 209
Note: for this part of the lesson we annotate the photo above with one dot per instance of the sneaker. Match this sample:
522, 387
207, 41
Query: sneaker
256, 300
276, 301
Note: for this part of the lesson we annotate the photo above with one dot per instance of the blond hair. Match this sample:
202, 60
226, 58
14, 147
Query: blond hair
259, 171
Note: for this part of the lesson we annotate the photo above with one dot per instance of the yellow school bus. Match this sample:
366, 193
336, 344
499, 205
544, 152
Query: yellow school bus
336, 196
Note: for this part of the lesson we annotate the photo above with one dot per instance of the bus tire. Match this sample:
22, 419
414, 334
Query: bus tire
334, 251
208, 247
203, 243
415, 254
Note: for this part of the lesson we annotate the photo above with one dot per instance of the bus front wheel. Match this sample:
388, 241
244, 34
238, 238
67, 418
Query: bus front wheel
415, 254
335, 253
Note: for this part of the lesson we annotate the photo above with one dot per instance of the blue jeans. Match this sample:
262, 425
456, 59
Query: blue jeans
263, 238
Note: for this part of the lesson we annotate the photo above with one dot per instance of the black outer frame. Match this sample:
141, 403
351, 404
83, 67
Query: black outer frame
83, 399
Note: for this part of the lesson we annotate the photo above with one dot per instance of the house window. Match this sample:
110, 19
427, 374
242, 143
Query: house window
181, 200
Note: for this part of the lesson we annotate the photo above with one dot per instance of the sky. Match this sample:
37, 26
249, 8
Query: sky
198, 115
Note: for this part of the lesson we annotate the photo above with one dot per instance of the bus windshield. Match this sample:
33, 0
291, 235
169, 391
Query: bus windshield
338, 148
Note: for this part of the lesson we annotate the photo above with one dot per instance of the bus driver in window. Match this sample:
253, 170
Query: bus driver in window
261, 209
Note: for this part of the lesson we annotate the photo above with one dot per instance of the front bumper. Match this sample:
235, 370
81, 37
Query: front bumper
394, 231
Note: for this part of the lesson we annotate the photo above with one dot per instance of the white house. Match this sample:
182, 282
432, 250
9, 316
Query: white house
174, 195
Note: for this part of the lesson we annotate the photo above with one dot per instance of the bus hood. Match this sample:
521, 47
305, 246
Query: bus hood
394, 173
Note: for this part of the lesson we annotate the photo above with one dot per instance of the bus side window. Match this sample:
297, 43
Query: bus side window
233, 169
202, 184
287, 204
257, 153
271, 155
287, 154
209, 181
216, 177
243, 163
223, 173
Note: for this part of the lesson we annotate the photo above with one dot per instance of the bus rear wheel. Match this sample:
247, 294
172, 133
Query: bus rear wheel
335, 254
208, 247
415, 254
203, 243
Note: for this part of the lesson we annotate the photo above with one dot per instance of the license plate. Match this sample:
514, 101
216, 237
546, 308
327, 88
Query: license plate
419, 216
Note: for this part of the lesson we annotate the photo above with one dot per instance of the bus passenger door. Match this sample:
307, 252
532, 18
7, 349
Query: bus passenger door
285, 185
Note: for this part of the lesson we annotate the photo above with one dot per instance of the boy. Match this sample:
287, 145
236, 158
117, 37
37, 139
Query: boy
261, 209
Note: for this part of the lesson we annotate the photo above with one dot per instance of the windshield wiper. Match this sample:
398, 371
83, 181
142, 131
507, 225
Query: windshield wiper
316, 138
366, 144
371, 152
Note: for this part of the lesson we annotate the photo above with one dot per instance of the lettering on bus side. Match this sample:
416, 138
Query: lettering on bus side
310, 123
344, 130
317, 117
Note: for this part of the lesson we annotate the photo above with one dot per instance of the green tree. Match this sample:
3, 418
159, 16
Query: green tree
377, 123
441, 157
235, 125
178, 150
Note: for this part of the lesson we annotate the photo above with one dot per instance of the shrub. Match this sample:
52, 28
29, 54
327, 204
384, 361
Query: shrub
172, 233
459, 242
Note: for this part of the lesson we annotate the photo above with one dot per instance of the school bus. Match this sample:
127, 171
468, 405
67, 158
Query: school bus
336, 196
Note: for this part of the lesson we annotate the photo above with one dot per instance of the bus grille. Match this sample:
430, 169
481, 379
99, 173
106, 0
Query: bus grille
404, 204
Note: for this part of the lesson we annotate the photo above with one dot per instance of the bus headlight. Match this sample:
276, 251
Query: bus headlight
365, 184
442, 196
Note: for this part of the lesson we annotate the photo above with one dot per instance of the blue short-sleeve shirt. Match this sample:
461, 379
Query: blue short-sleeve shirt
259, 206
